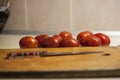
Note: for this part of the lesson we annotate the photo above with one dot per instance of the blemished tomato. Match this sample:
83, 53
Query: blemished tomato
58, 37
50, 42
81, 36
105, 39
65, 34
69, 42
91, 41
40, 39
28, 42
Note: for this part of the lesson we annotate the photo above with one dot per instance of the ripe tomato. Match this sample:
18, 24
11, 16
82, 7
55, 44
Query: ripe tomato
65, 34
40, 39
91, 41
104, 38
82, 35
69, 42
58, 37
28, 42
50, 42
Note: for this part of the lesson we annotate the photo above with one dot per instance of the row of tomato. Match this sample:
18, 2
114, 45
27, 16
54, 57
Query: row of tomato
65, 39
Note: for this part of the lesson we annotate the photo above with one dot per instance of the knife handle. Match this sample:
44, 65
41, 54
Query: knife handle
24, 54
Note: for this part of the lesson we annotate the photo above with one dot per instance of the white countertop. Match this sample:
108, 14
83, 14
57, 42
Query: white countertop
8, 41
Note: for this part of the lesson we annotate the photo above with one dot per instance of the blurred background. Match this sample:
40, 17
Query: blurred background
53, 16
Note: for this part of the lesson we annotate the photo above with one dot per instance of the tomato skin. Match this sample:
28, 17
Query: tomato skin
40, 39
58, 37
91, 41
104, 38
65, 34
50, 42
82, 36
69, 42
28, 42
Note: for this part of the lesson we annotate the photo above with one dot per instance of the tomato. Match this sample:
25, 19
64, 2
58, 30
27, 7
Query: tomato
91, 41
82, 35
69, 42
40, 39
65, 34
50, 42
104, 38
28, 42
58, 37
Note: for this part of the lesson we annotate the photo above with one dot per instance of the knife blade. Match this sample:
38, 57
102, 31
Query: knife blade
48, 54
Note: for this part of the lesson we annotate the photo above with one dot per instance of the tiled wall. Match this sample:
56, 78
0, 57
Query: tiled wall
59, 15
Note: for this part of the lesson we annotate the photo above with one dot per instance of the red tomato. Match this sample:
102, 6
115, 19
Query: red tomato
50, 42
58, 37
104, 38
40, 39
91, 41
81, 36
69, 42
65, 34
28, 42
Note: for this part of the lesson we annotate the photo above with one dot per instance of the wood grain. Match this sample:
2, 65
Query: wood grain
106, 61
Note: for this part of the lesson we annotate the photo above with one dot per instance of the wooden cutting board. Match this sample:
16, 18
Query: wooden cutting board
104, 64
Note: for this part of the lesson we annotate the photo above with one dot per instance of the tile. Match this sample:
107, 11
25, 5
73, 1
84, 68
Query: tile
96, 14
17, 16
49, 15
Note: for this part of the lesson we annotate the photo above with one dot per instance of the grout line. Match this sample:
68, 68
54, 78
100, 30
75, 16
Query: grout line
71, 14
26, 14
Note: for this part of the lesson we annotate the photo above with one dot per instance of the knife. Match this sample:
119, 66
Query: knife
47, 54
